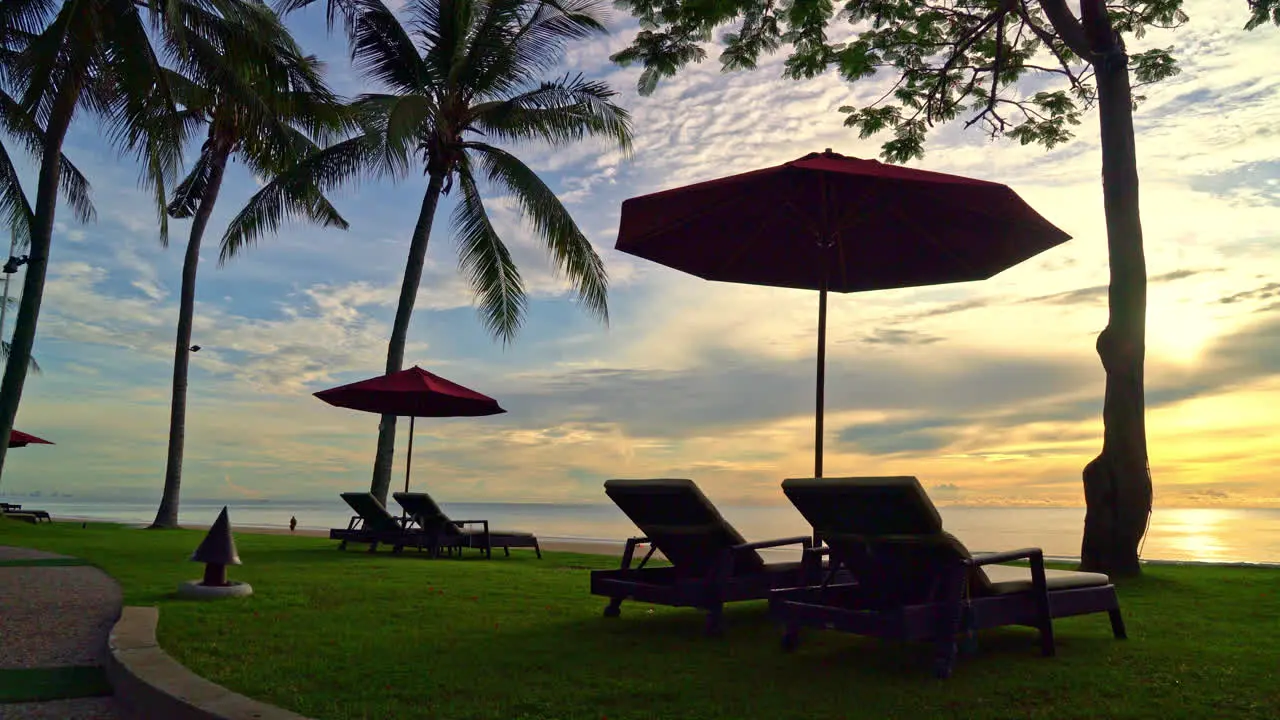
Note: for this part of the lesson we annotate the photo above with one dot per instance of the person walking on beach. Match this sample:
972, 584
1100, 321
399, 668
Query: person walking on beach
293, 523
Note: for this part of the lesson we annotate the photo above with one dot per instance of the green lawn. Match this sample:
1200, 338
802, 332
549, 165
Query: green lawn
349, 635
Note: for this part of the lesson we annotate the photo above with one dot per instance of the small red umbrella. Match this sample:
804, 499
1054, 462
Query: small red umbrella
415, 393
17, 438
830, 222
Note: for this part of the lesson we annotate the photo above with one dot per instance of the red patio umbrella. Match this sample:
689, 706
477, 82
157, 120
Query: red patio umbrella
17, 438
830, 222
413, 392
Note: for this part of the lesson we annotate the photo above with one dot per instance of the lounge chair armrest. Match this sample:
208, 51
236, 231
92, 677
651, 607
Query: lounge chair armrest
1035, 555
805, 540
630, 551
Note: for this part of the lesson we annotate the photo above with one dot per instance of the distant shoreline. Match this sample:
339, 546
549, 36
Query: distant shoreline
586, 546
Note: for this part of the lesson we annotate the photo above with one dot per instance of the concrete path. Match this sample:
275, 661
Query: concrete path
52, 617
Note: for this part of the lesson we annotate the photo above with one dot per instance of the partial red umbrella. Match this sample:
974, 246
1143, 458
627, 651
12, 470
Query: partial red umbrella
415, 393
17, 438
831, 222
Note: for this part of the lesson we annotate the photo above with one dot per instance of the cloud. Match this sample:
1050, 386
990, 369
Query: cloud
1266, 292
888, 336
1098, 293
888, 438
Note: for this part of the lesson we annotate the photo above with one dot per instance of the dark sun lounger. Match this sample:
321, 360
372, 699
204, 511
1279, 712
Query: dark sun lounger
17, 513
711, 563
913, 581
436, 531
372, 524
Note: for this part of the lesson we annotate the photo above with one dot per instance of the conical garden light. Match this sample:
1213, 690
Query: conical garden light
216, 551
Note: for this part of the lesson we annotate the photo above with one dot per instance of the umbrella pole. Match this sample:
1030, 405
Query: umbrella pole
408, 461
822, 381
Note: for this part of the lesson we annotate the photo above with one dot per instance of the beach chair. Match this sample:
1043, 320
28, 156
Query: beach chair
438, 532
913, 581
711, 563
16, 512
372, 524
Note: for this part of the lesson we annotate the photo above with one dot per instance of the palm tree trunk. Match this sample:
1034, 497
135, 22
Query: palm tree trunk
1117, 483
24, 330
167, 514
400, 331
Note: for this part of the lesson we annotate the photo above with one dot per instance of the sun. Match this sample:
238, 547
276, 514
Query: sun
1179, 328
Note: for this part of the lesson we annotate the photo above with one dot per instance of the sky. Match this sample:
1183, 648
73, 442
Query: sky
989, 392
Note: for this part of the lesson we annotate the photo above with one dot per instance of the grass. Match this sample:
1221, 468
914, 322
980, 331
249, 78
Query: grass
38, 684
336, 635
43, 562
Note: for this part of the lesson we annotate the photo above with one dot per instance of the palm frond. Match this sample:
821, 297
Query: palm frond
32, 365
345, 10
486, 263
14, 208
384, 52
570, 250
138, 106
400, 122
76, 191
186, 197
534, 45
558, 112
299, 192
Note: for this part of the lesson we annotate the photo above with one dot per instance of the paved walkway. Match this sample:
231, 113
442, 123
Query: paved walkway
54, 617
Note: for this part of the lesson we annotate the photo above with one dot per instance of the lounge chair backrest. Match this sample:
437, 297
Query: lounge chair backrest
682, 523
375, 516
424, 510
884, 529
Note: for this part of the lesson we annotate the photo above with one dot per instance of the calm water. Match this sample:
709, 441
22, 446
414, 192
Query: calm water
1223, 535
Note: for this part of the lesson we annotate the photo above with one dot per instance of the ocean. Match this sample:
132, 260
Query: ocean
1250, 535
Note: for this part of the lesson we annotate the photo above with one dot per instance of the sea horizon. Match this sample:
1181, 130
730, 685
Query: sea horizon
1219, 534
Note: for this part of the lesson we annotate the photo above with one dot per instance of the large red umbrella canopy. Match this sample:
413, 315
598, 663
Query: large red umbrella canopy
17, 438
849, 223
412, 393
831, 222
415, 393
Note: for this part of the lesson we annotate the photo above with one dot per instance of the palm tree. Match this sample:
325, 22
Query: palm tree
261, 107
63, 56
17, 125
462, 75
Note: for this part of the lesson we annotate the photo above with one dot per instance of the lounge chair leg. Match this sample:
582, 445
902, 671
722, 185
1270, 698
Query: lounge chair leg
715, 620
945, 663
791, 637
1047, 648
1117, 624
342, 545
506, 551
373, 547
614, 608
537, 550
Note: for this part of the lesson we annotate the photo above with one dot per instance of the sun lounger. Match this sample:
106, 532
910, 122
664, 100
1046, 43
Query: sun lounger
16, 512
913, 581
436, 531
711, 563
372, 524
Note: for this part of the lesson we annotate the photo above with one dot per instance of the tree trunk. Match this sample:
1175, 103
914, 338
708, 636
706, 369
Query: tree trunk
24, 330
1117, 483
400, 331
167, 514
